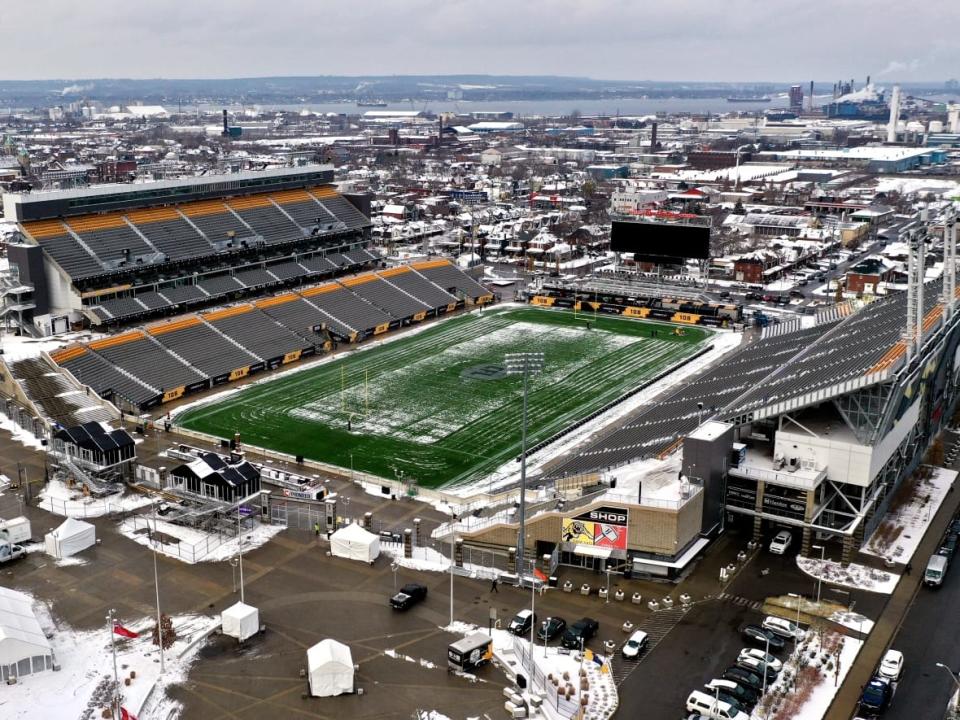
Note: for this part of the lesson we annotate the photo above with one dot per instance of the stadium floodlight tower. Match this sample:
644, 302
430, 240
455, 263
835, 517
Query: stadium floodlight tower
525, 364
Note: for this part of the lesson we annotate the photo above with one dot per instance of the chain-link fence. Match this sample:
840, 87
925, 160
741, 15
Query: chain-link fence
191, 552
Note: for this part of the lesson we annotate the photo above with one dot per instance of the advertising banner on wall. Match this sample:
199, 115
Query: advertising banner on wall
604, 527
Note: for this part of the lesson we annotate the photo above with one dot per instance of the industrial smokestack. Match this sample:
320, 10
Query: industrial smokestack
653, 137
811, 96
894, 114
225, 130
953, 118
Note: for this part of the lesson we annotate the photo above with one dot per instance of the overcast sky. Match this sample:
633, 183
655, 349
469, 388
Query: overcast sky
725, 40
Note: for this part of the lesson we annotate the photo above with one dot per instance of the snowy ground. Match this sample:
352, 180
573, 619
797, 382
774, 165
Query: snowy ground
79, 690
820, 677
195, 545
58, 499
901, 531
509, 651
852, 576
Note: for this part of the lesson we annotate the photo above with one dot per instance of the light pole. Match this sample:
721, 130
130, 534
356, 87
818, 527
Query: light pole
953, 676
156, 584
546, 630
767, 651
453, 543
525, 364
115, 704
796, 640
822, 550
233, 573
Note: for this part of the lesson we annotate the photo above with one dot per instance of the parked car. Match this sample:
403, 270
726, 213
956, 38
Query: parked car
522, 622
783, 627
875, 697
949, 546
891, 666
700, 702
758, 667
760, 655
781, 541
635, 645
745, 695
759, 637
409, 595
10, 552
742, 676
579, 633
551, 628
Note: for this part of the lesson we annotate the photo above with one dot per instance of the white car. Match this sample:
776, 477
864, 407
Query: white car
782, 627
780, 542
892, 665
635, 645
758, 654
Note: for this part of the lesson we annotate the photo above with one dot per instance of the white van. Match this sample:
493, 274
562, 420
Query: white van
709, 706
936, 569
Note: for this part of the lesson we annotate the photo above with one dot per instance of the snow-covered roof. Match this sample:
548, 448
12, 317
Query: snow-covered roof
20, 633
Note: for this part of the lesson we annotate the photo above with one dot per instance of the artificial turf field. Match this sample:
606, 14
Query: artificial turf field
435, 406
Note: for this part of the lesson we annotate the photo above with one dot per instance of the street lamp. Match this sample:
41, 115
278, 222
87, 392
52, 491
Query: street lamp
822, 550
525, 364
953, 676
546, 630
799, 599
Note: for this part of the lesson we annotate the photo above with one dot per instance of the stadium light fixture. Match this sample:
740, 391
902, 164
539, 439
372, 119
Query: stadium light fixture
525, 364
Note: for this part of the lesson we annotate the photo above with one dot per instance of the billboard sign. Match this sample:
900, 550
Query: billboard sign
604, 527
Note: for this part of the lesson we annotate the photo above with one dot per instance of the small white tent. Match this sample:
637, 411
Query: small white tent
355, 543
24, 649
330, 669
70, 538
240, 621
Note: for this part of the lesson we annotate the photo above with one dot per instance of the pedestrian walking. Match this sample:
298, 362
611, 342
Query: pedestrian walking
316, 528
909, 567
493, 586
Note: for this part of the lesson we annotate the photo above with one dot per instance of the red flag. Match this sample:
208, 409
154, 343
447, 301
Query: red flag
126, 714
123, 632
540, 576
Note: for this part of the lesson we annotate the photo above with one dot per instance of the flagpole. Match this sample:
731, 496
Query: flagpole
115, 705
156, 584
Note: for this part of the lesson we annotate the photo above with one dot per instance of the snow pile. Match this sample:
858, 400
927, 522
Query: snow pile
806, 686
21, 347
58, 499
421, 662
19, 434
852, 576
83, 685
852, 620
430, 560
902, 529
190, 545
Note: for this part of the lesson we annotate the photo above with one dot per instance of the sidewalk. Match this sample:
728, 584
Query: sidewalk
845, 702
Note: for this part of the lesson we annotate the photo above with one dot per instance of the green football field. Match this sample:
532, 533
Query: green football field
436, 406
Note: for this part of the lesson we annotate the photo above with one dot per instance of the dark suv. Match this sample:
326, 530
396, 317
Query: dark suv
409, 595
580, 632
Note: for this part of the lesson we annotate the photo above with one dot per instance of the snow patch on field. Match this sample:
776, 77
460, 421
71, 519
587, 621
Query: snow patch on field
721, 343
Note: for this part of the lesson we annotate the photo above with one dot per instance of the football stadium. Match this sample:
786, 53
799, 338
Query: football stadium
437, 407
